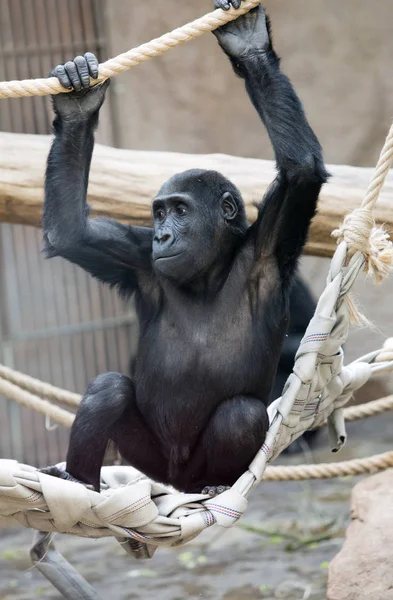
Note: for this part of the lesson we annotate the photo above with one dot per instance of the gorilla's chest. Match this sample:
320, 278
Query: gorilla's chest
219, 345
205, 337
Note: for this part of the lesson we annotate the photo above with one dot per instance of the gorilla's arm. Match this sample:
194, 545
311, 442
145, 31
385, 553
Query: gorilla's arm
290, 203
108, 250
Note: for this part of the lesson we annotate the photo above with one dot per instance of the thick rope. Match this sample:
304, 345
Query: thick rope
135, 56
381, 170
15, 393
357, 466
368, 409
319, 471
39, 388
34, 394
359, 230
295, 473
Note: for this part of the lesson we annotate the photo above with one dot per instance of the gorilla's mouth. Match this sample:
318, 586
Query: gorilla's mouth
167, 256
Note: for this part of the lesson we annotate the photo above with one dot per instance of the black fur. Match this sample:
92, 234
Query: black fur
211, 291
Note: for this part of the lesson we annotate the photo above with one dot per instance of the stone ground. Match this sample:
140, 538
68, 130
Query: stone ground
280, 549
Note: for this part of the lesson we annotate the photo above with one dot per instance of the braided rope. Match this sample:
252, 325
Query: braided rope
135, 56
129, 505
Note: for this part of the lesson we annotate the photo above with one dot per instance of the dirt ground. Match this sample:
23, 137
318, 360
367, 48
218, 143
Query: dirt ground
280, 549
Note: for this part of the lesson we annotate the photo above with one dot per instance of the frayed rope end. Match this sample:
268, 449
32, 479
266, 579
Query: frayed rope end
356, 317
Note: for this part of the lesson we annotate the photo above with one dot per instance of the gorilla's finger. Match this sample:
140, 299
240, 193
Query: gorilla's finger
83, 71
236, 3
92, 63
224, 4
62, 76
73, 74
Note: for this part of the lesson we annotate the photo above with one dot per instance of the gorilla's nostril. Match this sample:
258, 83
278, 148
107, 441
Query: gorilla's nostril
162, 239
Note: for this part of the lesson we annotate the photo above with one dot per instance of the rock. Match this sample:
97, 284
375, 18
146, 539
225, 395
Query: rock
364, 567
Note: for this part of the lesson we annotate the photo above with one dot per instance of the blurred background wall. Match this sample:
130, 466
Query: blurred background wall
338, 55
55, 322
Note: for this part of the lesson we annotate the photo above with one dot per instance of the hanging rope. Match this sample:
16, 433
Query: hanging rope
123, 62
359, 230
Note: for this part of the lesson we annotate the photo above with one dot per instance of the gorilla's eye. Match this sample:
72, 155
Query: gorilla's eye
181, 209
160, 214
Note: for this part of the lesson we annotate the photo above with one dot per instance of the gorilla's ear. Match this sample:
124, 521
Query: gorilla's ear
229, 208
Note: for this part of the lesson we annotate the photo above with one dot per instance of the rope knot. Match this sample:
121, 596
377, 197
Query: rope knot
360, 233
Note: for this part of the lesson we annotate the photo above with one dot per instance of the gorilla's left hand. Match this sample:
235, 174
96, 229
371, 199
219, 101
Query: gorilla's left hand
246, 36
83, 101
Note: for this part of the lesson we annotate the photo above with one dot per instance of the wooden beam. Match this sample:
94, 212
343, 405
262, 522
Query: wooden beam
123, 182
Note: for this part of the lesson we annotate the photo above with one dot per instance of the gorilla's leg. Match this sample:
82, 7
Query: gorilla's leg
234, 434
108, 412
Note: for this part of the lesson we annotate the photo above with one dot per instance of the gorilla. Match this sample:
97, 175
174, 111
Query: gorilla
211, 291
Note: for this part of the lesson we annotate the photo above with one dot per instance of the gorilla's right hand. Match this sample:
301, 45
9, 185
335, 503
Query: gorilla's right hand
246, 36
84, 101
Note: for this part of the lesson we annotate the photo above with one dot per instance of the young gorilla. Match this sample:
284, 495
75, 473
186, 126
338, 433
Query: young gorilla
211, 291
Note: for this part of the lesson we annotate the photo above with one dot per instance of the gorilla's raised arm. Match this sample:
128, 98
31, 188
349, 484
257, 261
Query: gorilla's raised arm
108, 250
290, 203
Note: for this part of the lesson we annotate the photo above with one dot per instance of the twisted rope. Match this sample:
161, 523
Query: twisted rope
15, 393
381, 170
292, 473
39, 396
359, 230
357, 466
319, 471
135, 56
368, 409
39, 388
34, 394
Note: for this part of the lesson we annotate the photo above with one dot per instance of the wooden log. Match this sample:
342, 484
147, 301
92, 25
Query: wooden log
123, 182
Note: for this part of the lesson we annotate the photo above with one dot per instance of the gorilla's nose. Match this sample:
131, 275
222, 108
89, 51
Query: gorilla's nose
163, 241
163, 238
